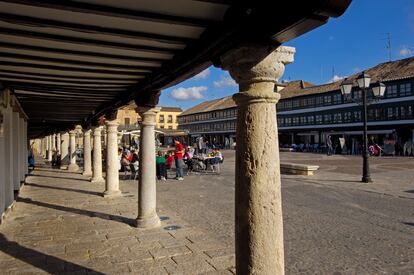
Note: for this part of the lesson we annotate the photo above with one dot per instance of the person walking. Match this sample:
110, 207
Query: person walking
179, 152
329, 145
161, 168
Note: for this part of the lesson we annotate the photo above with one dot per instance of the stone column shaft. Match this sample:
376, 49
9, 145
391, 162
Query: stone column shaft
50, 150
97, 156
259, 223
64, 156
58, 144
147, 192
73, 167
87, 164
3, 160
112, 161
9, 156
16, 151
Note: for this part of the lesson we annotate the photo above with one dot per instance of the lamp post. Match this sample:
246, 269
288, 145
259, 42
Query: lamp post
378, 90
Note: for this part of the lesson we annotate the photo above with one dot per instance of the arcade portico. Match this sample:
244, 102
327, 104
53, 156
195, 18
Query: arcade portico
75, 63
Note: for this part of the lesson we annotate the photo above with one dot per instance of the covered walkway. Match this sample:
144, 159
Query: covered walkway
61, 223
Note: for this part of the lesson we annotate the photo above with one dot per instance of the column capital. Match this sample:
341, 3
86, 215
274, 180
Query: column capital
253, 63
112, 126
147, 114
256, 68
72, 132
87, 131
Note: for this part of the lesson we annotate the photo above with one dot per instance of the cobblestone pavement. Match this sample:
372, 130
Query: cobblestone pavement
333, 223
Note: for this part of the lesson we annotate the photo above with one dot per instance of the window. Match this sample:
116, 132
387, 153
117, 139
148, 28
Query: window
390, 113
318, 119
379, 114
358, 94
311, 102
409, 111
405, 89
319, 100
161, 118
295, 121
327, 118
288, 104
311, 120
337, 99
161, 126
169, 119
288, 121
170, 127
303, 120
347, 117
337, 118
391, 91
327, 100
371, 114
357, 116
295, 103
127, 121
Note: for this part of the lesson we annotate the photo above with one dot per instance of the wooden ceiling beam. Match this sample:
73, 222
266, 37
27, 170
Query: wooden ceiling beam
89, 8
77, 27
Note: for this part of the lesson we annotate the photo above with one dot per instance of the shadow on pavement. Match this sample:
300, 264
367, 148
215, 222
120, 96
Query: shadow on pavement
55, 177
48, 263
410, 191
65, 189
84, 212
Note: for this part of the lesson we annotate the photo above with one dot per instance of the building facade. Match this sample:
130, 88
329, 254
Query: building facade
308, 113
166, 118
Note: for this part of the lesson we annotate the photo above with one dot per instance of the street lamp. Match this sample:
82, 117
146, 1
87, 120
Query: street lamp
378, 91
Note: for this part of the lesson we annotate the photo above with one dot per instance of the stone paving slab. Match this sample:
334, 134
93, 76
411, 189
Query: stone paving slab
62, 225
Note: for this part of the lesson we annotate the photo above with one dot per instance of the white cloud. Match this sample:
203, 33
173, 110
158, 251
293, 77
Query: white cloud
356, 69
190, 93
405, 51
336, 78
202, 75
224, 82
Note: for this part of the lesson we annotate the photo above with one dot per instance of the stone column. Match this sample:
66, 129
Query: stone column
147, 193
3, 160
22, 151
87, 164
259, 224
64, 156
9, 155
58, 144
53, 142
97, 156
73, 167
112, 162
16, 151
50, 149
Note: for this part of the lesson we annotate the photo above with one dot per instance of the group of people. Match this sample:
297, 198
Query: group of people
181, 156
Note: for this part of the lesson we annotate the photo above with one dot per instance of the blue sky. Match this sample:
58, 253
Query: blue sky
345, 45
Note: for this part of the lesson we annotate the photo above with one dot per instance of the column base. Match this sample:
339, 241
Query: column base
73, 167
87, 173
148, 222
97, 180
112, 194
64, 167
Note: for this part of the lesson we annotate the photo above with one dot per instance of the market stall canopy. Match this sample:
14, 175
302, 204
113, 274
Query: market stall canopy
70, 62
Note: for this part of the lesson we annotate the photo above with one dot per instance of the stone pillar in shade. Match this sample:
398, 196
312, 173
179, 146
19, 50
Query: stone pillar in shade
147, 190
64, 156
87, 159
58, 144
50, 150
73, 167
16, 150
97, 156
53, 142
9, 155
112, 161
259, 224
